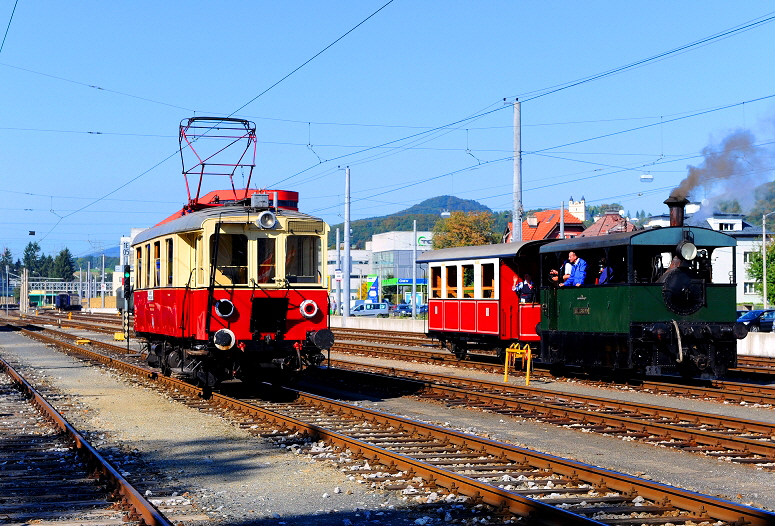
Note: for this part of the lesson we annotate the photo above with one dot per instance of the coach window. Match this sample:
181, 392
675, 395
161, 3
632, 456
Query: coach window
468, 281
435, 282
452, 281
147, 277
139, 267
231, 264
170, 264
302, 259
266, 260
488, 280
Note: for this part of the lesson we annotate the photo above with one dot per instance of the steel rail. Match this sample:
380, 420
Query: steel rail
140, 508
702, 505
610, 416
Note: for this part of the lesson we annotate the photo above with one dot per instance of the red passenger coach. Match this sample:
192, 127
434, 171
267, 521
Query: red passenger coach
471, 301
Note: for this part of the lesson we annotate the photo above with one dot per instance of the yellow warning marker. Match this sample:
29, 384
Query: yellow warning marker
512, 353
82, 341
69, 315
118, 336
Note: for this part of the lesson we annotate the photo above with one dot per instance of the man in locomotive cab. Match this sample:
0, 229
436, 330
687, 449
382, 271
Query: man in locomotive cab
606, 272
578, 271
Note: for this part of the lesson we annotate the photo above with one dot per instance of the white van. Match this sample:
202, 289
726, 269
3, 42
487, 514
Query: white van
370, 309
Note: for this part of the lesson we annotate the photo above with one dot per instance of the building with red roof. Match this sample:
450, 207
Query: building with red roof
610, 223
545, 224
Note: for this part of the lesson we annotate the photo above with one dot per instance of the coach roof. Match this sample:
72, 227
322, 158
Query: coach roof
501, 250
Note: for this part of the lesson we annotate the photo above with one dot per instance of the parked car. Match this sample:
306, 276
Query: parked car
758, 320
422, 309
403, 309
370, 309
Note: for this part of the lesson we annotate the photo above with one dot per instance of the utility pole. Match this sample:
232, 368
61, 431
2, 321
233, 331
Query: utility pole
562, 219
102, 286
88, 284
347, 262
339, 268
516, 206
414, 271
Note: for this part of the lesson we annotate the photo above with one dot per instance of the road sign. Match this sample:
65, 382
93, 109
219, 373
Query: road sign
338, 275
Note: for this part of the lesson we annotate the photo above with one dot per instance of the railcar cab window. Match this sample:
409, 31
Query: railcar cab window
266, 260
231, 263
302, 259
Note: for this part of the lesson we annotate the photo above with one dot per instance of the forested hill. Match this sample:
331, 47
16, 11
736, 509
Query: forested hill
426, 213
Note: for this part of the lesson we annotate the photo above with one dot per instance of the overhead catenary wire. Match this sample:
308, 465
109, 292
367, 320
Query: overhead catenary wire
8, 27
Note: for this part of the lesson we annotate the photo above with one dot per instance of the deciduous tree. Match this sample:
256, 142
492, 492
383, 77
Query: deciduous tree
463, 229
754, 271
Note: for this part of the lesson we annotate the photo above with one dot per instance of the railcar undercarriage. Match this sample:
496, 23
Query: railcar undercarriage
206, 365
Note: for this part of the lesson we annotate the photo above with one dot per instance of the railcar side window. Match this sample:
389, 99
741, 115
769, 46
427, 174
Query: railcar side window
139, 268
147, 254
435, 282
302, 256
169, 262
452, 281
157, 263
200, 254
266, 260
468, 281
488, 280
231, 265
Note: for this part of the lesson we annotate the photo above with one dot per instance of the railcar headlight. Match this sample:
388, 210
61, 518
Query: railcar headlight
224, 339
266, 220
308, 308
686, 250
224, 308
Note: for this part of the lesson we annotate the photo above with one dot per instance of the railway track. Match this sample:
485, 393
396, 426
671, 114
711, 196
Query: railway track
51, 473
436, 464
733, 439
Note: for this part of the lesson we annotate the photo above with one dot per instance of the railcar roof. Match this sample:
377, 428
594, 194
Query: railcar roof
500, 250
194, 220
703, 237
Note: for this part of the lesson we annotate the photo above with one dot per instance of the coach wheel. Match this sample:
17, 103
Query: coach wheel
500, 353
459, 350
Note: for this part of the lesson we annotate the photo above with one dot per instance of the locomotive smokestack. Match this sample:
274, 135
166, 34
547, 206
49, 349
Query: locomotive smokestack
676, 205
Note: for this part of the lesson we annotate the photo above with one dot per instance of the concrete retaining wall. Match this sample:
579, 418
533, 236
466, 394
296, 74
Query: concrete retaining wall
757, 344
381, 324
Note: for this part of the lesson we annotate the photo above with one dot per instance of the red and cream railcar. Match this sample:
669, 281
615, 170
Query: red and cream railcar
233, 289
471, 302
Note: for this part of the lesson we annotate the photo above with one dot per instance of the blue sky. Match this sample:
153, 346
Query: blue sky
93, 94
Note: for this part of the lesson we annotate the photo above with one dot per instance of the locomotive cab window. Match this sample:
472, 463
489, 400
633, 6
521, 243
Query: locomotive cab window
302, 259
231, 263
